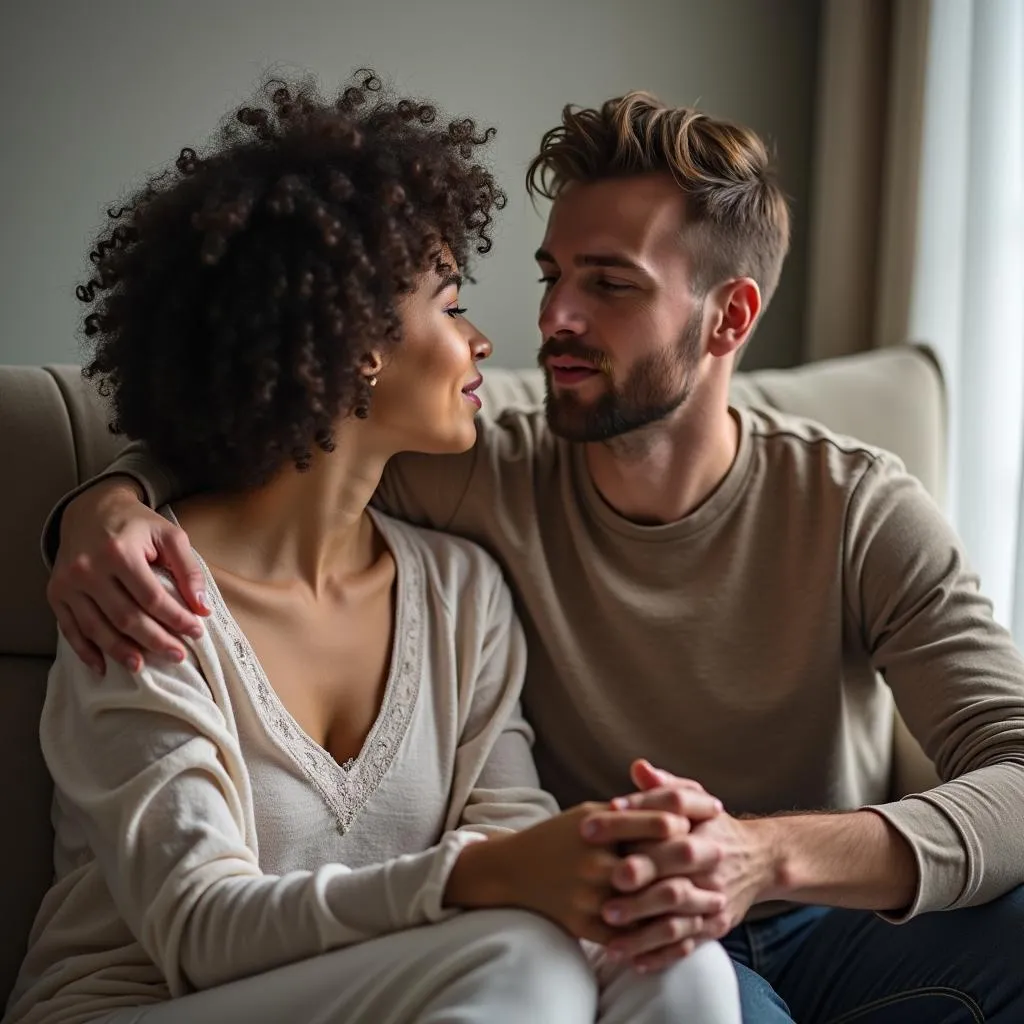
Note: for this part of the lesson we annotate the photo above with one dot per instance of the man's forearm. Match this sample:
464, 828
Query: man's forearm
855, 860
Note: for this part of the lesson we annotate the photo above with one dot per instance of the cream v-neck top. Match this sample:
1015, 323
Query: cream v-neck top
202, 835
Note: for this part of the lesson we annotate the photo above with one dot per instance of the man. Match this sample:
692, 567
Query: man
720, 591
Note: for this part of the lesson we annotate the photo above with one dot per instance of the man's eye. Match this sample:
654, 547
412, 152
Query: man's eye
548, 280
612, 286
456, 311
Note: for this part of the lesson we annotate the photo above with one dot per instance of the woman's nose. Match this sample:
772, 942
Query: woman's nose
480, 346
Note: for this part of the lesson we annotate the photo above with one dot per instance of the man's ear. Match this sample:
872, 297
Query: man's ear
737, 306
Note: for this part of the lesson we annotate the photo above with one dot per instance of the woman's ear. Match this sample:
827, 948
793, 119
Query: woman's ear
371, 363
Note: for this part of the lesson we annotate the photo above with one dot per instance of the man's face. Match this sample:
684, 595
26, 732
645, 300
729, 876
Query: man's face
621, 328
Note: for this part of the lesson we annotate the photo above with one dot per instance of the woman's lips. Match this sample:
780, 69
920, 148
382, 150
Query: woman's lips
469, 392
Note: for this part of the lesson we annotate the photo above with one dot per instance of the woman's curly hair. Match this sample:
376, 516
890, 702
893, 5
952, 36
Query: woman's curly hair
236, 296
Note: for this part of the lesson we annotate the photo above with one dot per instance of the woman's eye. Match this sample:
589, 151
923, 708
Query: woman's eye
612, 286
455, 311
547, 281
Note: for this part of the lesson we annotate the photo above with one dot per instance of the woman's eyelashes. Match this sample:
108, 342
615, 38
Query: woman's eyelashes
456, 311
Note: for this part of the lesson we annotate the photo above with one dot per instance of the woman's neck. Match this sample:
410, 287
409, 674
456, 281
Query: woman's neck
309, 525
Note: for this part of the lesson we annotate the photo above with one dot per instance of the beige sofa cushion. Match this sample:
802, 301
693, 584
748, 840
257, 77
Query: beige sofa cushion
53, 436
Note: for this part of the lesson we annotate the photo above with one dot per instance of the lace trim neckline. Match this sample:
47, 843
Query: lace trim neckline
345, 788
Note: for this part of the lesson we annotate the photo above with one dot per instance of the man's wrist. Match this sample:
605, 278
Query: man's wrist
104, 500
772, 856
121, 486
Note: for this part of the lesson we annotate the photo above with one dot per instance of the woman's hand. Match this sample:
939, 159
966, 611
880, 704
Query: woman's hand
103, 590
548, 868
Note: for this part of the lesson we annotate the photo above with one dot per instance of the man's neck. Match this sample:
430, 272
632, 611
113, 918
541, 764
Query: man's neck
661, 473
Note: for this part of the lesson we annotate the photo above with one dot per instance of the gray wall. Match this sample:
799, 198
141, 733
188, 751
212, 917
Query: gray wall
98, 94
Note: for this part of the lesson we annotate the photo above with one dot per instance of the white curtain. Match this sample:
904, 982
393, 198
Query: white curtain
918, 235
966, 294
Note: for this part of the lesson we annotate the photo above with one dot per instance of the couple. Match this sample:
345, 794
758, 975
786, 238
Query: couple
721, 590
283, 821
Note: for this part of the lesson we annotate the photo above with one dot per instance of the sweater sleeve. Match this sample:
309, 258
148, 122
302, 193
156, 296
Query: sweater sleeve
958, 681
496, 788
150, 766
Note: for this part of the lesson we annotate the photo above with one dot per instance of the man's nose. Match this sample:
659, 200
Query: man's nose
560, 314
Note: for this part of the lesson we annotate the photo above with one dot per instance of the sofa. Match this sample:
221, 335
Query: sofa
53, 435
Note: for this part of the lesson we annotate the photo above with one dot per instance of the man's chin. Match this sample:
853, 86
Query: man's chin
568, 431
603, 419
574, 420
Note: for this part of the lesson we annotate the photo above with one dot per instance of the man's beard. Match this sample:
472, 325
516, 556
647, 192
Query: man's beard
656, 386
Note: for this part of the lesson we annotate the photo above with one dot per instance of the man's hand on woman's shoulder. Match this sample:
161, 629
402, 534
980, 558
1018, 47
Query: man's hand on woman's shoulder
103, 589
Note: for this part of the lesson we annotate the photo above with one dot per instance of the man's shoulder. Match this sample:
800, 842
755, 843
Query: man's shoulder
783, 440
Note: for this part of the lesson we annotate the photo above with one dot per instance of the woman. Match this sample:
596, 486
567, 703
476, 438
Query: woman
286, 824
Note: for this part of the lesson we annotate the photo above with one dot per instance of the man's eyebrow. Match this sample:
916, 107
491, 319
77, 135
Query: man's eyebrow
606, 259
446, 280
595, 259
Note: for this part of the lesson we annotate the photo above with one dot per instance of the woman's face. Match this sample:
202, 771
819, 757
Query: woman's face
425, 398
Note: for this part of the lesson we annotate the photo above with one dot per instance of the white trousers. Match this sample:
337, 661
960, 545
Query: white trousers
482, 967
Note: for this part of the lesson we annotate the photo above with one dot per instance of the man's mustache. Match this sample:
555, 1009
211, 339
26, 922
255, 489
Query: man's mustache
574, 349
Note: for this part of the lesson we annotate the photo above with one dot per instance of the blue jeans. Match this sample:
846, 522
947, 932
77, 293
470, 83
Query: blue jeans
820, 966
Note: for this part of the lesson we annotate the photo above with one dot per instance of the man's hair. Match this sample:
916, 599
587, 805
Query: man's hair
236, 295
737, 219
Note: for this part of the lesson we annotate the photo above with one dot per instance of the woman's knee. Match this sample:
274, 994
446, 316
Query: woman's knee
705, 980
547, 966
701, 988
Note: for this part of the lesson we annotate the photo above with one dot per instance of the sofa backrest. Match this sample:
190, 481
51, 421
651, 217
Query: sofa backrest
53, 435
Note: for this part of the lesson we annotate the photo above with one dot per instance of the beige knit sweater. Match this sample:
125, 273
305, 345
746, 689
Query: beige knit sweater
202, 836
